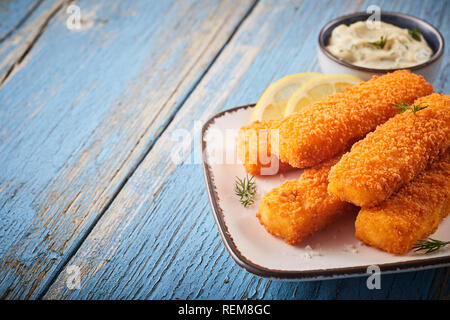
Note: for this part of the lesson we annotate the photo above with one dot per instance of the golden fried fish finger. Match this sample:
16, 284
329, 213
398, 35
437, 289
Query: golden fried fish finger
327, 128
298, 208
394, 154
410, 215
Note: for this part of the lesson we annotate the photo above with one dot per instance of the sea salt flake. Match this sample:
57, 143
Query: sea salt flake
351, 248
310, 253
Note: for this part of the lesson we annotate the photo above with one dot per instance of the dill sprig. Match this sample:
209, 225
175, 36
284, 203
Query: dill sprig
245, 189
417, 107
414, 108
415, 34
430, 245
379, 43
401, 107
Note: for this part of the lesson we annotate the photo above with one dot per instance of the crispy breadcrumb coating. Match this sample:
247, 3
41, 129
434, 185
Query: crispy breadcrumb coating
410, 215
327, 128
394, 154
298, 208
254, 149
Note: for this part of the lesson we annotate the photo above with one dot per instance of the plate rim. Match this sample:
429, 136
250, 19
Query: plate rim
259, 270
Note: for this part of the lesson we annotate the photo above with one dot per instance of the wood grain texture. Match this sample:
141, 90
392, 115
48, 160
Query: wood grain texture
158, 240
14, 14
29, 24
79, 112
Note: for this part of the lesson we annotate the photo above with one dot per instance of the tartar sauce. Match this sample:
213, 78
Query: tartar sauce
383, 47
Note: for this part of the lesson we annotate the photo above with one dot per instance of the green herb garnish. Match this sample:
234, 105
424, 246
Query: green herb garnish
415, 34
380, 43
429, 245
402, 107
245, 189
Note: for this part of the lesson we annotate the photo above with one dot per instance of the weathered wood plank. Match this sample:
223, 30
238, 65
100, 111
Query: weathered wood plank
158, 239
82, 109
30, 22
13, 14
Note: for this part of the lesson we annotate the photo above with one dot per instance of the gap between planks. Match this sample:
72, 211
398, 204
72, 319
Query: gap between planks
21, 22
8, 74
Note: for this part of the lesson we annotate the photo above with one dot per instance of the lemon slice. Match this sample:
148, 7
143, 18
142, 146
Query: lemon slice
317, 89
273, 101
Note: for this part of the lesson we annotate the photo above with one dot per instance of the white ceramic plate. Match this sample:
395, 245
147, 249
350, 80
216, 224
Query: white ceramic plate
333, 252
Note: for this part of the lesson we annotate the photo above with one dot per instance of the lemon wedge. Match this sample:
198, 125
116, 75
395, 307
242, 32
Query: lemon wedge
271, 105
317, 89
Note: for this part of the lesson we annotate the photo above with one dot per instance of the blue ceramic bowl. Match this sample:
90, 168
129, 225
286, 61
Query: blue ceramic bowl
334, 65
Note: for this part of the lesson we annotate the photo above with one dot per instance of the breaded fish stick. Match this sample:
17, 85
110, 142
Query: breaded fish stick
298, 208
254, 149
394, 154
327, 128
410, 215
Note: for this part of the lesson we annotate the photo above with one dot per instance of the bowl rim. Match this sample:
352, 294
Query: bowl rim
435, 57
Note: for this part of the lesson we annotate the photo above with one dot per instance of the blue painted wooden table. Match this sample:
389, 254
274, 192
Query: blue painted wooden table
94, 96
